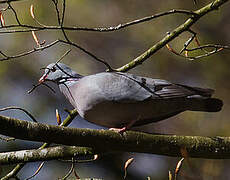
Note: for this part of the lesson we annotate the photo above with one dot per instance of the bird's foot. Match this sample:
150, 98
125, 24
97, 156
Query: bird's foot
119, 130
125, 128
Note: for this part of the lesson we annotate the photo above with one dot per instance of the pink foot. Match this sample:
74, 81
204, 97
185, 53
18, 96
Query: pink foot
125, 128
119, 130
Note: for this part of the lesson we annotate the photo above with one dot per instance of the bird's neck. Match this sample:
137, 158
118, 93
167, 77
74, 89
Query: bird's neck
65, 88
65, 85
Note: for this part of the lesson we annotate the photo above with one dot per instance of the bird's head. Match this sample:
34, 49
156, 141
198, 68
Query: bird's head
58, 73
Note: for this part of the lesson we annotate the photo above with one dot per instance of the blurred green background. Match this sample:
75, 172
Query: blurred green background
17, 76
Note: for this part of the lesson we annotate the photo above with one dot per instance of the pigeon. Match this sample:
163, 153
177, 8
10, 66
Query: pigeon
121, 100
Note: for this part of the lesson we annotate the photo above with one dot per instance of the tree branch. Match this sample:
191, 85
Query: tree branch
93, 29
51, 153
88, 53
6, 57
194, 17
172, 35
18, 167
105, 140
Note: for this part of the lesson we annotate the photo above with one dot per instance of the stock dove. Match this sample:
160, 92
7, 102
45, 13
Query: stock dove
116, 100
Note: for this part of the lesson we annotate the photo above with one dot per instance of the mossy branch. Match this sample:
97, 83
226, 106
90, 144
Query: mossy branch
18, 167
51, 153
173, 34
109, 141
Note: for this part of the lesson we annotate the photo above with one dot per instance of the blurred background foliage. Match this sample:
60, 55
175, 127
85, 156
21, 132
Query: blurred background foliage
17, 76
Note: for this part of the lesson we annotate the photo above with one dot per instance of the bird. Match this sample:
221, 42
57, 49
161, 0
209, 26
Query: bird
120, 101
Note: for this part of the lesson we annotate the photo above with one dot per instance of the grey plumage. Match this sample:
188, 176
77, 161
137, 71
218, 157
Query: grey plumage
114, 99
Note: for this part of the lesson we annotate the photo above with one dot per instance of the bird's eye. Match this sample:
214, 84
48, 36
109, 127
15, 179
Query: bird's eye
53, 69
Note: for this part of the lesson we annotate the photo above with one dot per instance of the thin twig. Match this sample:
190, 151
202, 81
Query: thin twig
217, 49
29, 52
130, 23
70, 171
218, 46
89, 53
96, 29
37, 85
205, 55
15, 13
3, 54
188, 42
61, 21
37, 171
57, 11
65, 54
63, 12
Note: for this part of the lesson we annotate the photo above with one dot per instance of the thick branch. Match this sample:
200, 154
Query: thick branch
102, 140
172, 35
66, 122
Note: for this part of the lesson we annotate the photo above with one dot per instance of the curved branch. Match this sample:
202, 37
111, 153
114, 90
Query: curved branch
37, 171
105, 140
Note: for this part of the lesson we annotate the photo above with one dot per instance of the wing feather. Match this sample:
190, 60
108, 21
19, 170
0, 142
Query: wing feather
128, 88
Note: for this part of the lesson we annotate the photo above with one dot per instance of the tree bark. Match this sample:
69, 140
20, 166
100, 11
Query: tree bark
130, 141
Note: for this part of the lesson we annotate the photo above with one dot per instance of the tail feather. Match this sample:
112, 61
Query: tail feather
205, 104
206, 92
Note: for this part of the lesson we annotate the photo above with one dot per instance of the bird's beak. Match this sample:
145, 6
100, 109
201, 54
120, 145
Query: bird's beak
42, 79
